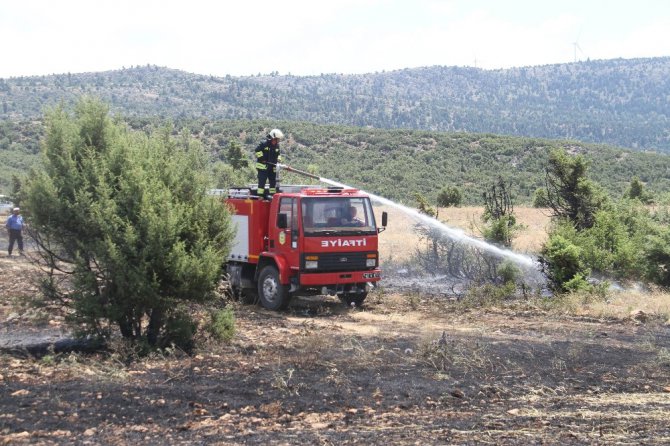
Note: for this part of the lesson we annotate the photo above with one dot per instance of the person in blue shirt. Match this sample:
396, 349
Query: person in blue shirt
14, 226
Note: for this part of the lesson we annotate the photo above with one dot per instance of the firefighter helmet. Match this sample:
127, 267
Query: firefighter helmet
275, 134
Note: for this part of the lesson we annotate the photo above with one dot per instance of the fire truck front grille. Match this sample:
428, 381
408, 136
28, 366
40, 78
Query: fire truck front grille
341, 261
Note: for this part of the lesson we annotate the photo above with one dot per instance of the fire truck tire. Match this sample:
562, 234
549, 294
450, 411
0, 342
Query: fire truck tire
353, 299
272, 294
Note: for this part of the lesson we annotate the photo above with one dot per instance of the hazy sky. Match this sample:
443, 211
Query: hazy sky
244, 37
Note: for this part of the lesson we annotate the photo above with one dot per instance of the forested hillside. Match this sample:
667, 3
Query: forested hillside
398, 163
393, 163
625, 103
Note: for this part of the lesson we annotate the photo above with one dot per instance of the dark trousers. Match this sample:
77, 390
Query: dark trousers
15, 236
267, 175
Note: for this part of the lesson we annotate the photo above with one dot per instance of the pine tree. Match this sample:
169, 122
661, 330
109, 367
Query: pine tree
124, 224
235, 156
570, 193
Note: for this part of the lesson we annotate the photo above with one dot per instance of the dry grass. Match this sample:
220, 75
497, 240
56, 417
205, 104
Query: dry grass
624, 304
400, 240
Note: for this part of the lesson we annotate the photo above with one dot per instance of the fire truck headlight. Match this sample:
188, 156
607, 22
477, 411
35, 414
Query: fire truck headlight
311, 262
370, 263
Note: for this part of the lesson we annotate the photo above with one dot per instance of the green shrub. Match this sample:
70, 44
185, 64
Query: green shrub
577, 283
562, 263
500, 224
449, 196
656, 254
540, 199
636, 191
502, 230
179, 331
508, 273
607, 246
222, 324
613, 245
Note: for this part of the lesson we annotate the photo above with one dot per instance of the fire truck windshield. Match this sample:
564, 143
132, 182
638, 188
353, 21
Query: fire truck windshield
337, 215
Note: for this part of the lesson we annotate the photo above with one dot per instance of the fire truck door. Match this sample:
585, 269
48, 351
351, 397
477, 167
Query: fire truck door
287, 238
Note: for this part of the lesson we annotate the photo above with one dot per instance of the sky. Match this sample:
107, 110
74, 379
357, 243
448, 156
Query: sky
311, 37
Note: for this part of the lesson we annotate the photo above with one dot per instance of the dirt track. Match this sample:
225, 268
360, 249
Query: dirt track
401, 370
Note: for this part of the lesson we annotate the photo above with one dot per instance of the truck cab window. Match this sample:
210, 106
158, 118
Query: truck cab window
337, 215
289, 206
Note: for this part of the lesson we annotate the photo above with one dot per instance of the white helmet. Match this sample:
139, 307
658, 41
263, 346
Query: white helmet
275, 133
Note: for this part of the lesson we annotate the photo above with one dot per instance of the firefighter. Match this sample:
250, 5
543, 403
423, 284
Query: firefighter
267, 157
353, 220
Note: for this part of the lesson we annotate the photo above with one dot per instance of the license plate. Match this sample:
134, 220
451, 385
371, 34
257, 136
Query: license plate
371, 275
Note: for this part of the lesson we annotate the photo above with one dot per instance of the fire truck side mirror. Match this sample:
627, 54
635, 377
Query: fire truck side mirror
385, 219
282, 221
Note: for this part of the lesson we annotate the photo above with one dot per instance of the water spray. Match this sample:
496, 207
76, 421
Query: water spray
453, 233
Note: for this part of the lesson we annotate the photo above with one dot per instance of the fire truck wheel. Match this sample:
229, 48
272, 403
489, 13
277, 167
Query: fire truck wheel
353, 299
273, 295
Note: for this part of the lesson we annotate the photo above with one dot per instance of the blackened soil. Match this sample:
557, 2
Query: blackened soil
399, 370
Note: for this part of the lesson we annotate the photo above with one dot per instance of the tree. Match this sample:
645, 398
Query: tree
657, 256
570, 194
16, 194
235, 156
449, 196
424, 206
499, 215
540, 198
125, 227
226, 176
636, 191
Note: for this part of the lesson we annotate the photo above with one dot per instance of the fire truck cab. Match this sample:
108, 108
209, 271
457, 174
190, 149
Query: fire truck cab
304, 241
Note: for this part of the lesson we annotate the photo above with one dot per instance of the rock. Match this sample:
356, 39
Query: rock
17, 436
456, 393
61, 433
639, 316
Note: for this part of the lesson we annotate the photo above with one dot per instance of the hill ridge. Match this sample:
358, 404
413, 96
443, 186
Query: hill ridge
621, 102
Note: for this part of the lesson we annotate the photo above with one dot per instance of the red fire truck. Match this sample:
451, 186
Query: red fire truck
305, 241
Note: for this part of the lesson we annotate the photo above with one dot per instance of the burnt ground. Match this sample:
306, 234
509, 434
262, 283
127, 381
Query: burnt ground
403, 369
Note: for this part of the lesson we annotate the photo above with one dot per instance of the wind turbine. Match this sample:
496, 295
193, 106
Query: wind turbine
576, 46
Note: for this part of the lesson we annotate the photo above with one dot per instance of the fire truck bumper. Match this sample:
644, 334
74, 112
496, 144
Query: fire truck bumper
320, 279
